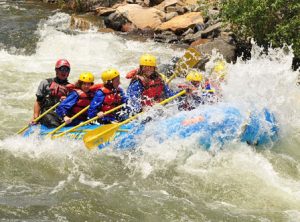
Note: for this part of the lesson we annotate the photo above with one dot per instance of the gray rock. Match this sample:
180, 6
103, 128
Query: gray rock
223, 47
192, 37
115, 21
212, 30
166, 37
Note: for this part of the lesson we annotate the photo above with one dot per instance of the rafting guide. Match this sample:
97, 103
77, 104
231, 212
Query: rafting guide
51, 91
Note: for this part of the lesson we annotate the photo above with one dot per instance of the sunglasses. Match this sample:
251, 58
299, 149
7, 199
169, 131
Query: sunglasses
64, 69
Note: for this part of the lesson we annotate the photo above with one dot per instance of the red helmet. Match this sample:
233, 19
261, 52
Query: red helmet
62, 62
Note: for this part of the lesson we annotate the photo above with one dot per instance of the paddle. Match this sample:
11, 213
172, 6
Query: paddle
190, 58
39, 117
88, 121
72, 118
106, 133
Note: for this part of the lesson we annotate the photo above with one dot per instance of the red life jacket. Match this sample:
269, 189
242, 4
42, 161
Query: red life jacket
57, 90
132, 73
153, 90
112, 99
83, 101
96, 87
55, 94
70, 87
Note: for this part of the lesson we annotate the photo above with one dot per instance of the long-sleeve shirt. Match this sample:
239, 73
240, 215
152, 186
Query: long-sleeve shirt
134, 93
97, 102
66, 105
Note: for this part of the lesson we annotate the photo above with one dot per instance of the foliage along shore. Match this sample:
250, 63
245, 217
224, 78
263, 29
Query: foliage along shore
227, 26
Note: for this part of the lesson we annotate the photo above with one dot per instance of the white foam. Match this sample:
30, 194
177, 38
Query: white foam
263, 81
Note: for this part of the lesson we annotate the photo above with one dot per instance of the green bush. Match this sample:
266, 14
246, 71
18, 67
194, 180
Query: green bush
268, 22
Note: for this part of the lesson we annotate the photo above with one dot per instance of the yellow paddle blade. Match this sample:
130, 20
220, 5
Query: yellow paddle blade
106, 133
190, 58
102, 134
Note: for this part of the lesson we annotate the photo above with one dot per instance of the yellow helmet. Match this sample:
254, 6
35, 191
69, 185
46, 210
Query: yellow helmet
194, 76
219, 70
219, 67
109, 74
147, 60
86, 77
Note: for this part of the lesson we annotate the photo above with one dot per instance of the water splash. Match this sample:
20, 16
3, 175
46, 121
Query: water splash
176, 178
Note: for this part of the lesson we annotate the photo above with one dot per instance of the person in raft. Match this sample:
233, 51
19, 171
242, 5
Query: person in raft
193, 86
79, 98
147, 86
50, 92
217, 77
109, 96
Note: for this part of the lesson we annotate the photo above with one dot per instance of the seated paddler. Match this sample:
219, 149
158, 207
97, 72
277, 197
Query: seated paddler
109, 96
193, 97
79, 98
147, 86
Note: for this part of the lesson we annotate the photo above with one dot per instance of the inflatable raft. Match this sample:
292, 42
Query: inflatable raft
42, 131
209, 125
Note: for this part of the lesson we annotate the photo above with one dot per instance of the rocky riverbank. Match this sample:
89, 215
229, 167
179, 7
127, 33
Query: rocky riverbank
183, 22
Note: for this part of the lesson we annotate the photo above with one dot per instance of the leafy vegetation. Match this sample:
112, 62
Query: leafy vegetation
268, 22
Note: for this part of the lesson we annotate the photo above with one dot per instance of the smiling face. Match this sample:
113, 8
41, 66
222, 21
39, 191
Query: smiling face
85, 87
147, 70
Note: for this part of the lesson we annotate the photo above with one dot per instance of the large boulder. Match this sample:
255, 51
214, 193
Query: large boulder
219, 44
182, 22
142, 18
115, 21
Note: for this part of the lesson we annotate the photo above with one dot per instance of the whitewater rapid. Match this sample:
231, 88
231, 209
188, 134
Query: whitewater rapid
59, 180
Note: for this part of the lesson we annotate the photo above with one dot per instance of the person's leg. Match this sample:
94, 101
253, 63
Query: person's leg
51, 120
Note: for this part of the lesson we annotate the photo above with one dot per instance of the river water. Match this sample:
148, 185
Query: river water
60, 180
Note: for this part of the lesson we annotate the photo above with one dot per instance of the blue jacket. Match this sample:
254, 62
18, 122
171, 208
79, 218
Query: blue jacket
97, 103
134, 93
65, 107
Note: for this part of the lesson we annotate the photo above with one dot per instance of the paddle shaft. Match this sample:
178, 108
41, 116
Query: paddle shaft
161, 103
72, 118
39, 117
93, 138
88, 121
